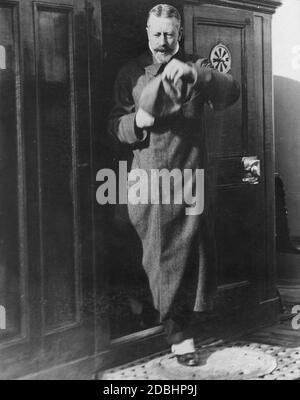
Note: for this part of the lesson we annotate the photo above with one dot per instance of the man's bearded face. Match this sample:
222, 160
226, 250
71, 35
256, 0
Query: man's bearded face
163, 35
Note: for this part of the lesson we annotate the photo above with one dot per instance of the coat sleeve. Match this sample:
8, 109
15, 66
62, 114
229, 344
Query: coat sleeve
121, 121
219, 89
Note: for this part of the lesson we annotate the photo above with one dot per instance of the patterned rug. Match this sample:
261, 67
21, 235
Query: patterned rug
219, 361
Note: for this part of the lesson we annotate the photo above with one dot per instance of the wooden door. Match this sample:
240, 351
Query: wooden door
239, 41
46, 267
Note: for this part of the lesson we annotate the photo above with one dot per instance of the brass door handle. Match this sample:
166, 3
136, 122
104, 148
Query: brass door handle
251, 170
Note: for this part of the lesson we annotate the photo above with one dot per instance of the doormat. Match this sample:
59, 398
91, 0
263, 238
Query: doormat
219, 361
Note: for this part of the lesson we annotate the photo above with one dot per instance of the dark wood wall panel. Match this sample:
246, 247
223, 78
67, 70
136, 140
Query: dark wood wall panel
227, 142
57, 165
12, 260
229, 135
234, 236
226, 130
46, 183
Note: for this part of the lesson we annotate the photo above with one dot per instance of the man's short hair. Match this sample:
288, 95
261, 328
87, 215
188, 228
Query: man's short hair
165, 11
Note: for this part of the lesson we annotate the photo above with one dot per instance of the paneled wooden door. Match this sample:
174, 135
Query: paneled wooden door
238, 41
46, 254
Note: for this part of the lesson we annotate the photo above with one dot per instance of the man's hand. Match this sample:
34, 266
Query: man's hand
176, 70
144, 119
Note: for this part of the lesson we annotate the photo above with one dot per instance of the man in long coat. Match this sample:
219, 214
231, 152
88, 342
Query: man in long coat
158, 110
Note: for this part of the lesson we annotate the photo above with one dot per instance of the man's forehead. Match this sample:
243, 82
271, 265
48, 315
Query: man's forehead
162, 23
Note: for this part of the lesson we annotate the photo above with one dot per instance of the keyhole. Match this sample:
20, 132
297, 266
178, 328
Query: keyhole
2, 57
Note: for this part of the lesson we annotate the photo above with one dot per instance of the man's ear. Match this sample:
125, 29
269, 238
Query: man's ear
147, 30
180, 34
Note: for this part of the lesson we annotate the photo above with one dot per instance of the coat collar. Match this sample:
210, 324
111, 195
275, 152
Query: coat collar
151, 66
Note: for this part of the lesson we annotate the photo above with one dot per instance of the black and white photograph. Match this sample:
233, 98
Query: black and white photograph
150, 192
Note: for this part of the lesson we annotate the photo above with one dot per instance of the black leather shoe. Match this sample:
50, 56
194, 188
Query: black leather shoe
188, 359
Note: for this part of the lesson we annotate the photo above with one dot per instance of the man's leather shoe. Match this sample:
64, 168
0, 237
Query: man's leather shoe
188, 359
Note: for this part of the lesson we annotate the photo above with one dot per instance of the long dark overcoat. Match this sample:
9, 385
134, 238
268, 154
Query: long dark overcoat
178, 249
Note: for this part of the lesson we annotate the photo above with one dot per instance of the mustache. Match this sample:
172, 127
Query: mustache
163, 49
